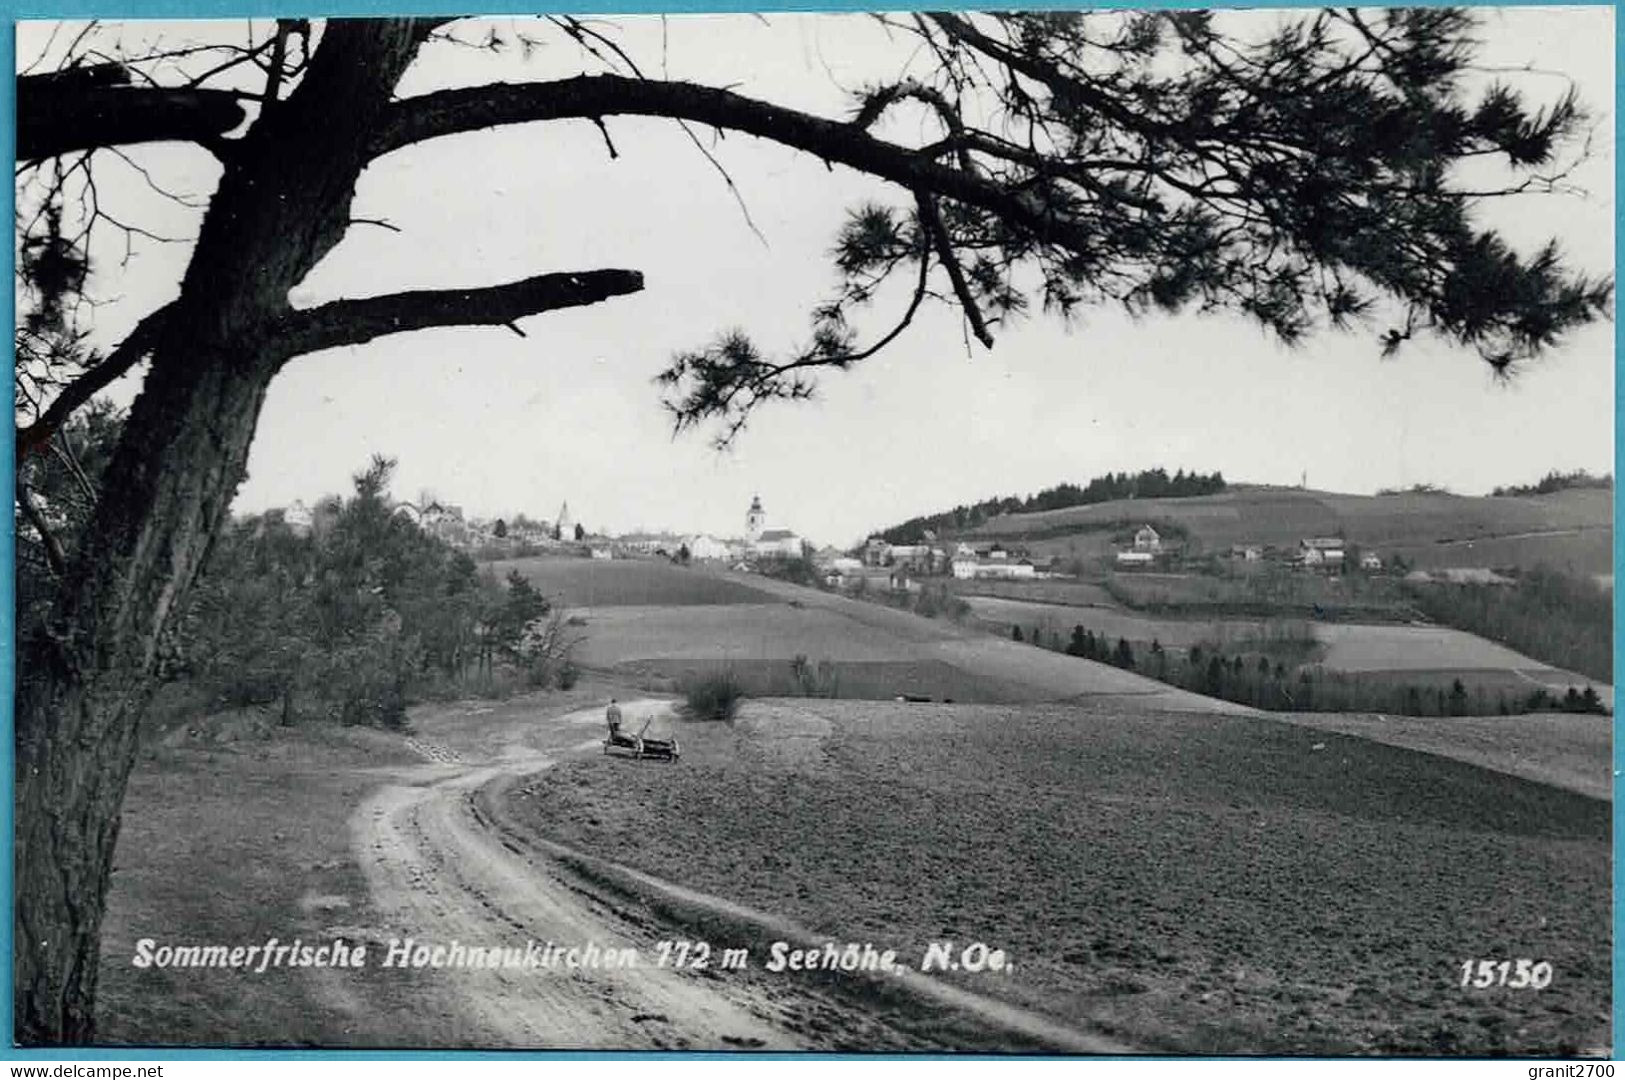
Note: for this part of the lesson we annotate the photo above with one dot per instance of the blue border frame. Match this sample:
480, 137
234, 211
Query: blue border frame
1619, 556
15, 10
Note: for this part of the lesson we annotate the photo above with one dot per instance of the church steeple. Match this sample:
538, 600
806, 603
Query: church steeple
755, 518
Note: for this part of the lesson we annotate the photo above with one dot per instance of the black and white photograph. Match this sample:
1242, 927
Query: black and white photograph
1063, 532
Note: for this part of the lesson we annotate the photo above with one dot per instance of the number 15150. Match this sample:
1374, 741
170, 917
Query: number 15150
1512, 974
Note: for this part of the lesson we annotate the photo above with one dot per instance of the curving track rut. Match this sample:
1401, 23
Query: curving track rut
439, 874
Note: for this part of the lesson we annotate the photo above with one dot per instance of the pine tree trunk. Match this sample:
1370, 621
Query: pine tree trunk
283, 202
82, 694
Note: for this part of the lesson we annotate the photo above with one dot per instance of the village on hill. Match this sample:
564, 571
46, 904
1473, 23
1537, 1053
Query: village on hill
1118, 535
1309, 599
760, 544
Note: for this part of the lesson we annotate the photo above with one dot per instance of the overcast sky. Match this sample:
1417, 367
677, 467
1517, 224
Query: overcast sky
503, 424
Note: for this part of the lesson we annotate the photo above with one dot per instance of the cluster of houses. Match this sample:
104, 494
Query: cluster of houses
962, 560
447, 522
760, 541
877, 558
1317, 553
1312, 553
1331, 553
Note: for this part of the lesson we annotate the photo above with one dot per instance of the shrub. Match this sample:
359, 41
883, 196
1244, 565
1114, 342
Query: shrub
544, 650
812, 680
713, 696
936, 602
569, 674
798, 570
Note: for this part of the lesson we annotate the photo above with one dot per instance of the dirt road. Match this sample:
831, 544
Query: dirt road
442, 876
442, 873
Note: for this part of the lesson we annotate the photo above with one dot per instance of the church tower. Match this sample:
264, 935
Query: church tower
754, 519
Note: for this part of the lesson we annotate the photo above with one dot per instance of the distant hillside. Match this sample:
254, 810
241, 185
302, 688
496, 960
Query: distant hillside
1555, 481
1569, 529
1147, 484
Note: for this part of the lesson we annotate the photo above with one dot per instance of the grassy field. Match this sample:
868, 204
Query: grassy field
771, 631
880, 652
1389, 519
876, 652
1264, 590
1562, 619
874, 680
235, 831
655, 624
1401, 648
1190, 883
1427, 657
999, 614
1584, 552
214, 850
1054, 591
597, 583
672, 619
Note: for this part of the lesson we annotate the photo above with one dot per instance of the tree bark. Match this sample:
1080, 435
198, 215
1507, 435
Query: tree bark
89, 680
283, 203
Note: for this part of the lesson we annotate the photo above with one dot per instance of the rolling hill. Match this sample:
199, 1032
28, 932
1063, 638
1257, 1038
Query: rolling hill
656, 624
1568, 530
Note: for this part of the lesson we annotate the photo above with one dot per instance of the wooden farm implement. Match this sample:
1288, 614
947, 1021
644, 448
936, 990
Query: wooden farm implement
638, 747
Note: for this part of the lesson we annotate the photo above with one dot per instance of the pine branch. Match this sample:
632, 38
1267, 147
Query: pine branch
353, 322
130, 352
593, 97
931, 221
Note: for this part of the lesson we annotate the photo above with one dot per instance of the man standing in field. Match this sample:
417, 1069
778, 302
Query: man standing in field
612, 716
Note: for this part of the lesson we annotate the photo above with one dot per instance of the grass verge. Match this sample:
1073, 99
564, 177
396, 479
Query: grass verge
235, 832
